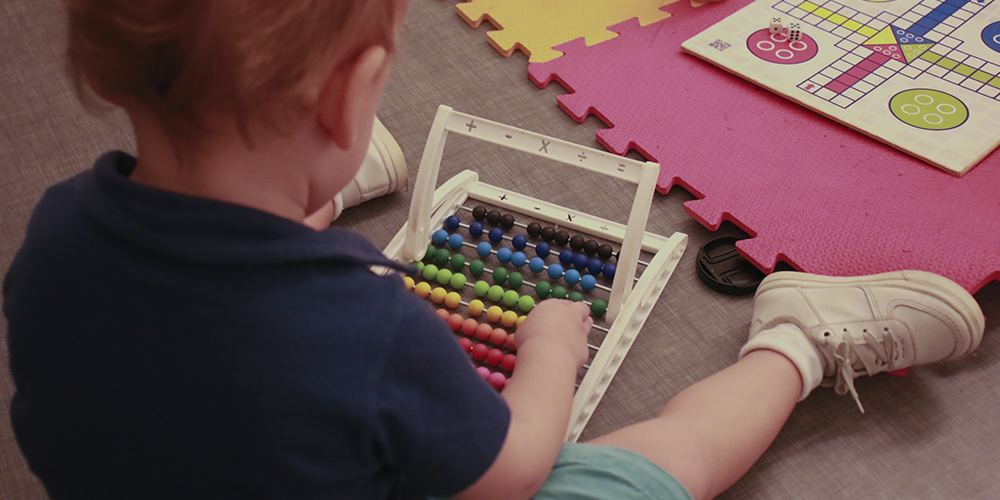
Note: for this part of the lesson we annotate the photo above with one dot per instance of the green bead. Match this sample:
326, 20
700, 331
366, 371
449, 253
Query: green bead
515, 280
430, 253
442, 256
598, 307
510, 298
495, 293
457, 261
430, 272
480, 288
499, 275
419, 265
526, 304
458, 281
558, 293
542, 289
444, 276
576, 297
477, 267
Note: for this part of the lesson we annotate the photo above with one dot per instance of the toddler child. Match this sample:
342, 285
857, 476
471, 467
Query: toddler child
177, 331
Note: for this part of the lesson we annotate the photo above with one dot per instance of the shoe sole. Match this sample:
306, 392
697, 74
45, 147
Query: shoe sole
392, 155
938, 286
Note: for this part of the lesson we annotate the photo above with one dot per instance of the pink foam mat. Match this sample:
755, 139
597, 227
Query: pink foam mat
810, 191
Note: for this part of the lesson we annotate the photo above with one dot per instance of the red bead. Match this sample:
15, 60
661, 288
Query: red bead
466, 344
493, 357
455, 321
497, 380
508, 362
484, 372
484, 331
479, 352
469, 326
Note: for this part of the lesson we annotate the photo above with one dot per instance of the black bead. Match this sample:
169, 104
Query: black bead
562, 237
590, 247
576, 243
479, 213
604, 251
507, 221
534, 229
493, 217
548, 233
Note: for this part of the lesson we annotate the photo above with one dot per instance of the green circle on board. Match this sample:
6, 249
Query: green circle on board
928, 109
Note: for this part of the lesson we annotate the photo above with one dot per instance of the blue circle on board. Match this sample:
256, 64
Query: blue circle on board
991, 36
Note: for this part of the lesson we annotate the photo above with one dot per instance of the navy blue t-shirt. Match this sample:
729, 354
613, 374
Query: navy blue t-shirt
166, 346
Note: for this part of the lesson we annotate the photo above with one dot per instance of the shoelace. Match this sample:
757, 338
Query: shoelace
876, 356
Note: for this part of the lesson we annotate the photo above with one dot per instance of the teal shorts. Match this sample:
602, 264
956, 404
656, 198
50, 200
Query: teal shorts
594, 472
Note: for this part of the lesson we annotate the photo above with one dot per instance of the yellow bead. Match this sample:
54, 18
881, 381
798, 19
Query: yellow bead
408, 283
493, 314
476, 307
509, 319
452, 300
438, 294
520, 319
423, 289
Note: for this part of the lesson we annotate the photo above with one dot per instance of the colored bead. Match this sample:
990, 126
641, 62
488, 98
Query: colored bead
455, 241
442, 256
408, 283
503, 255
495, 293
494, 313
534, 229
520, 319
515, 279
479, 213
477, 267
444, 276
420, 266
476, 229
572, 277
466, 345
455, 322
482, 370
457, 261
561, 238
609, 271
598, 307
595, 266
576, 297
517, 259
576, 243
566, 257
439, 237
484, 249
452, 222
438, 294
542, 249
479, 353
588, 282
499, 275
510, 343
542, 289
510, 297
497, 380
457, 281
519, 241
443, 314
604, 251
430, 252
481, 288
559, 292
548, 234
430, 272
506, 221
484, 331
536, 265
498, 336
555, 271
580, 261
590, 247
509, 319
493, 217
476, 307
496, 235
493, 357
526, 304
508, 362
423, 289
469, 326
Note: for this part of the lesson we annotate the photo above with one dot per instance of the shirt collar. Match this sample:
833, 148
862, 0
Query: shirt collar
209, 231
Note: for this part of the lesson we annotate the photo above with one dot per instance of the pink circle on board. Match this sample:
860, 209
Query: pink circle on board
777, 48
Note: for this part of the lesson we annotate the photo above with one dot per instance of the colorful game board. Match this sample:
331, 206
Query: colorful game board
920, 75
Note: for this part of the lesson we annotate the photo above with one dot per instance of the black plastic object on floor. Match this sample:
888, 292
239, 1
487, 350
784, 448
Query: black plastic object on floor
723, 269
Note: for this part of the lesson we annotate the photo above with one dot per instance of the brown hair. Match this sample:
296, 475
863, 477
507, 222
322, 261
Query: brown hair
252, 58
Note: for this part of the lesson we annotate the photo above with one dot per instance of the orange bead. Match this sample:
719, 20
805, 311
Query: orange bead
443, 314
469, 326
499, 336
510, 342
484, 331
455, 321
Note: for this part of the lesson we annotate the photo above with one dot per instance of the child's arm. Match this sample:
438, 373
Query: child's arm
551, 348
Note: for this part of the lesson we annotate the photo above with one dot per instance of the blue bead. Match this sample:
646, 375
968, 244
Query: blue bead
439, 237
484, 249
580, 261
542, 249
572, 277
588, 282
452, 222
555, 271
518, 259
455, 241
476, 229
609, 271
503, 255
536, 265
566, 257
520, 241
496, 235
595, 266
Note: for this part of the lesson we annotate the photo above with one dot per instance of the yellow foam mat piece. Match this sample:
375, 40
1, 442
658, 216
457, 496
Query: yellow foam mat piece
535, 26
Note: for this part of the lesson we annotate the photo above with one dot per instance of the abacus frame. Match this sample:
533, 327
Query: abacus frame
630, 301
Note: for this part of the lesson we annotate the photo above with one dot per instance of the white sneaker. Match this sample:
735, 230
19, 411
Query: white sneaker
383, 172
863, 325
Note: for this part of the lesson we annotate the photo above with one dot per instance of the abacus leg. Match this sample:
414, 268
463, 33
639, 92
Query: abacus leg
710, 434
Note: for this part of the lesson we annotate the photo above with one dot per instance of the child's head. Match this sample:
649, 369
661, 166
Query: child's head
255, 60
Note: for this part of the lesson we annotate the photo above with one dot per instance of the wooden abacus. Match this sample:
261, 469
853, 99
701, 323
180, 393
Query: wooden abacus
629, 300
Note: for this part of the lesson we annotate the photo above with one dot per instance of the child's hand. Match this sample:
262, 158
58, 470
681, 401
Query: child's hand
562, 322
